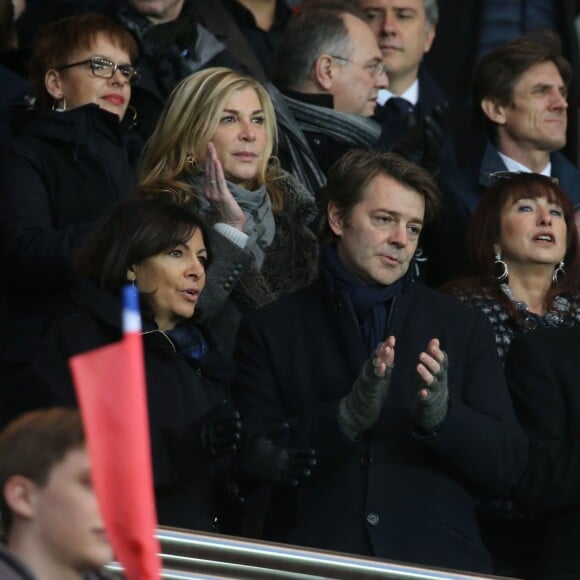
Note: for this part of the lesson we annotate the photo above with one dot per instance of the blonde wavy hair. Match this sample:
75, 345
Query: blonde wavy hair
188, 123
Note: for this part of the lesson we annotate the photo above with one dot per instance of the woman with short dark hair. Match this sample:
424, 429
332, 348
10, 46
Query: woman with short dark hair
162, 249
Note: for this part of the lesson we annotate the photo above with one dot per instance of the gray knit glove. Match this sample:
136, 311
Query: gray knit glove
431, 411
360, 409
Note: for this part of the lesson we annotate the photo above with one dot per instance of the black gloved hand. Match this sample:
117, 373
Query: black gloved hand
220, 430
424, 143
268, 457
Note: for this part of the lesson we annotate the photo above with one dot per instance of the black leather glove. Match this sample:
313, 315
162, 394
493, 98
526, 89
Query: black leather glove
220, 430
267, 457
425, 142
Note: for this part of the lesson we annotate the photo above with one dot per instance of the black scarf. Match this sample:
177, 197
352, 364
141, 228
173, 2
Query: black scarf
371, 304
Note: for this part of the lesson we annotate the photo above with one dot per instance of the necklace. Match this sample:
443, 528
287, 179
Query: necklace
558, 316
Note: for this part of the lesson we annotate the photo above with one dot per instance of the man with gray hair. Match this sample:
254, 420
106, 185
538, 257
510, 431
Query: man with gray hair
330, 70
405, 30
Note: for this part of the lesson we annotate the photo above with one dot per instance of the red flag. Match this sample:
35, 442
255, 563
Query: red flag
111, 391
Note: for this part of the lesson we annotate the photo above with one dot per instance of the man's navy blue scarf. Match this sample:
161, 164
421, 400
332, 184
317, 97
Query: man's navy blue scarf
371, 303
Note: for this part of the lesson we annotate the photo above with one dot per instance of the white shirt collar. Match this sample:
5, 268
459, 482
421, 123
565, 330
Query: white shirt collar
513, 165
411, 94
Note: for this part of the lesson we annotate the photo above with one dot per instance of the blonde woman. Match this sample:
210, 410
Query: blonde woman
213, 148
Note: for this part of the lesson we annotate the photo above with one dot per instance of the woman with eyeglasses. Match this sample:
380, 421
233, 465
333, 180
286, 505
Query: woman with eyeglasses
73, 155
213, 149
525, 261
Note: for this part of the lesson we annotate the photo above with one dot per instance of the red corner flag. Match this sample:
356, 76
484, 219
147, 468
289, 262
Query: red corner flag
110, 386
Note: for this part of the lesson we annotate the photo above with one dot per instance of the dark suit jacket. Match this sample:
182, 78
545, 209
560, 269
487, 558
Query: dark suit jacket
469, 183
392, 493
543, 371
430, 96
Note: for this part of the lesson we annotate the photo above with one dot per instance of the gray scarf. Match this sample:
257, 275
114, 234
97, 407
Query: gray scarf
344, 127
259, 227
291, 139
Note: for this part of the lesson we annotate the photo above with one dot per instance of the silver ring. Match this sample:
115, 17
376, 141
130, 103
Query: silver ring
213, 181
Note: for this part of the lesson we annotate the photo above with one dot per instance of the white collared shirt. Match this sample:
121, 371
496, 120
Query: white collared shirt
513, 165
411, 94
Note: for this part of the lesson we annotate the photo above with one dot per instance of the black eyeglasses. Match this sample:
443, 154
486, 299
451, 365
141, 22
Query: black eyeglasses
375, 68
495, 175
102, 67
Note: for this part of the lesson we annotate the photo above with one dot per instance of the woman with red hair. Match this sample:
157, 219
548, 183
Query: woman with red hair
524, 256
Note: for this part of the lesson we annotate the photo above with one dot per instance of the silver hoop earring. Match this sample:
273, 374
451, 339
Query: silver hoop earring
133, 122
558, 273
502, 268
59, 105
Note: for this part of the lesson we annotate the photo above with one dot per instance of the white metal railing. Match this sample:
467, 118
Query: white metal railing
187, 555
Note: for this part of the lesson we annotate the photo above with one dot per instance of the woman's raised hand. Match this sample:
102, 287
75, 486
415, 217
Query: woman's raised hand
217, 193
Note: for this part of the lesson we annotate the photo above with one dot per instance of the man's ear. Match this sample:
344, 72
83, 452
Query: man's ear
323, 72
429, 38
20, 495
335, 219
53, 84
493, 111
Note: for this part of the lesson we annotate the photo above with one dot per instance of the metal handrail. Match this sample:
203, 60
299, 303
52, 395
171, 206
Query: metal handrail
201, 555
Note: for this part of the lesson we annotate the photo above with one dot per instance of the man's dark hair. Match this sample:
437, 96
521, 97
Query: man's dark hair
316, 30
349, 178
498, 72
32, 445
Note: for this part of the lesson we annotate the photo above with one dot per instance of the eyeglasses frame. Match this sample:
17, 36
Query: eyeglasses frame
377, 69
135, 72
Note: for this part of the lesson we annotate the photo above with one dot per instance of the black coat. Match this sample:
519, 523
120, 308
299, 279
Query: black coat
543, 374
430, 97
179, 395
393, 493
60, 175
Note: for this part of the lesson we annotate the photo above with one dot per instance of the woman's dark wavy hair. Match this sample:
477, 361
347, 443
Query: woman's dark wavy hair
134, 230
484, 232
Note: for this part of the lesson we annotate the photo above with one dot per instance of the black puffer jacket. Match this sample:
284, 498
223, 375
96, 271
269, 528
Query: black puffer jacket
59, 177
